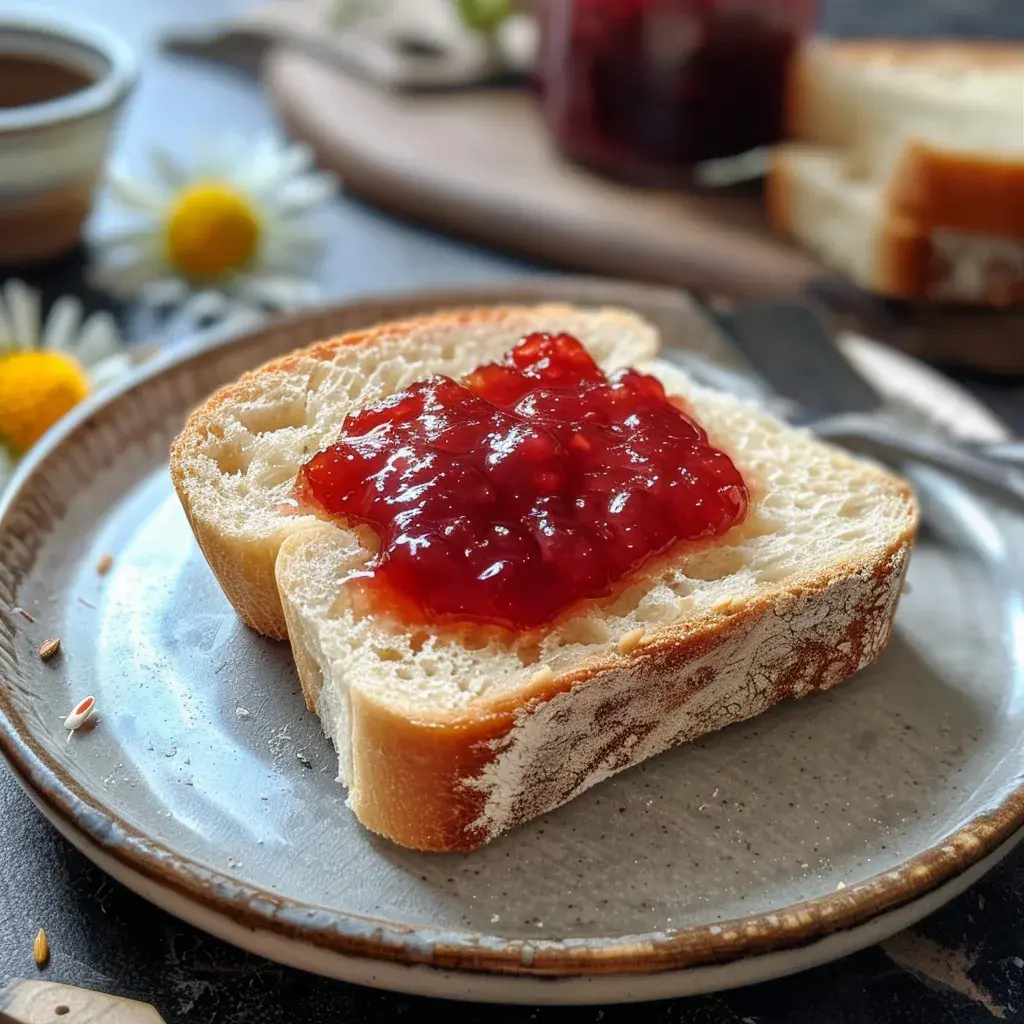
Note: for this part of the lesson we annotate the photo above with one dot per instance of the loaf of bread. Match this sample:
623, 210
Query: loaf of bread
446, 738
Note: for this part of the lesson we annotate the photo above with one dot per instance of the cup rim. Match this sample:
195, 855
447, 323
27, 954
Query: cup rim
106, 92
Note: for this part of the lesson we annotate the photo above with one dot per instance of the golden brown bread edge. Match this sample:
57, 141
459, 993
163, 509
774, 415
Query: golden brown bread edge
975, 193
418, 781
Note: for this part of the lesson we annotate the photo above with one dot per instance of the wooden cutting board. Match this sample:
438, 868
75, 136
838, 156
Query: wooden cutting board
480, 164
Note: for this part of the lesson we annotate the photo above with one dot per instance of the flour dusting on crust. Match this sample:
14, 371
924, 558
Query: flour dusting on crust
810, 641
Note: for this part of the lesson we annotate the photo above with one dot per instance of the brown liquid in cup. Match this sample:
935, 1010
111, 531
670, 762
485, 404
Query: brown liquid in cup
47, 223
26, 78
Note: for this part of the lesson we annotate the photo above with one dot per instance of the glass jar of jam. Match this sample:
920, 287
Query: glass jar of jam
648, 89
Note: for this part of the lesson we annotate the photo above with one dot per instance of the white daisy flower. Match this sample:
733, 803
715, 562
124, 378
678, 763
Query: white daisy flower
229, 234
47, 369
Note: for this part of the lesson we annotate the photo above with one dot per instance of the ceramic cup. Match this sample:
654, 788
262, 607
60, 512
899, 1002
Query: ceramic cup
62, 85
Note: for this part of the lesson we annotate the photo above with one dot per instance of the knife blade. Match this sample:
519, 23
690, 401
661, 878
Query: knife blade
788, 345
791, 345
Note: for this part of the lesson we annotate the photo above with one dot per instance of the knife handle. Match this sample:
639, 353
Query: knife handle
46, 1002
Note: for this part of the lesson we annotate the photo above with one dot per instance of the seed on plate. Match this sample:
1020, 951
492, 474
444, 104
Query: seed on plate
80, 714
49, 648
24, 614
40, 948
104, 564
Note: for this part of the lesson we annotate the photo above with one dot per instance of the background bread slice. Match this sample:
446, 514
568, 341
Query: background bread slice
873, 96
234, 464
815, 195
446, 740
939, 124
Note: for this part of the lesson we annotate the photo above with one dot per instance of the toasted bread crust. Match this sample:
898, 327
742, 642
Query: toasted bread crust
978, 194
451, 784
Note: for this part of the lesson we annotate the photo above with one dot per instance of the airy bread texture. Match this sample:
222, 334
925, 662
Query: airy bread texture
447, 739
914, 152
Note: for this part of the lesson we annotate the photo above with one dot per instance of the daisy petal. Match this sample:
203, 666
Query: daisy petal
98, 340
165, 292
278, 292
110, 369
135, 237
168, 169
204, 306
133, 194
62, 323
287, 163
127, 280
23, 307
302, 193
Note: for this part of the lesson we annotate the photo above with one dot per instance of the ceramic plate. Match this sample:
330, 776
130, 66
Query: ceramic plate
204, 784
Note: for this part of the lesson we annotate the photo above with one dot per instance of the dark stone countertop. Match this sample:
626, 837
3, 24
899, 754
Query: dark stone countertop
965, 965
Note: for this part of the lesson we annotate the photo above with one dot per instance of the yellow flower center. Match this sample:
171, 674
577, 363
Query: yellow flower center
36, 389
211, 230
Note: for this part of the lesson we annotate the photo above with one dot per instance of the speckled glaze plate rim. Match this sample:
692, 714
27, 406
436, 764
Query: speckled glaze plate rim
195, 892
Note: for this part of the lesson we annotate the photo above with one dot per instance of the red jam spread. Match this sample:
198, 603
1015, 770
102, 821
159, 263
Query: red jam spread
532, 484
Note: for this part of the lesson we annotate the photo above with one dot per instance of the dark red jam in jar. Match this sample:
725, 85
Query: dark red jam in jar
532, 484
646, 89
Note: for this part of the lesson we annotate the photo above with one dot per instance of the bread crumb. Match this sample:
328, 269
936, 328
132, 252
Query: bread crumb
545, 674
841, 885
723, 605
103, 566
628, 642
24, 614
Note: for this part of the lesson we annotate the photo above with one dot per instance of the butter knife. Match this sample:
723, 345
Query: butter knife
789, 346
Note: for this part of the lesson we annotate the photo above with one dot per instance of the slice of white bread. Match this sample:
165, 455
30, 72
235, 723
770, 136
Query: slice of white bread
928, 140
873, 96
814, 195
447, 739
